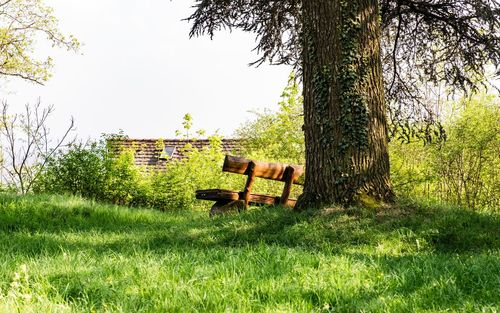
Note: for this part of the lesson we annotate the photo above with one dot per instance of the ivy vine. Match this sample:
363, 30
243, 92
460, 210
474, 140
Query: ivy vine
321, 84
353, 117
351, 75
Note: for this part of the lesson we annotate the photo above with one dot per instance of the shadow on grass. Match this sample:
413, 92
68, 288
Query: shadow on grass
438, 255
50, 224
438, 229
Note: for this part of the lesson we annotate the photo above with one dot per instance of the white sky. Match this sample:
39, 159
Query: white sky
139, 71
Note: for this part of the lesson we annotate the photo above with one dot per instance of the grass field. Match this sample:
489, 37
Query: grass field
61, 254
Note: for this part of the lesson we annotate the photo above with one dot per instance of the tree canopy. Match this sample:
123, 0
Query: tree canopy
22, 22
423, 41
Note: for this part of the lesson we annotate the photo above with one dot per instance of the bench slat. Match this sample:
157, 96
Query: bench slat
273, 171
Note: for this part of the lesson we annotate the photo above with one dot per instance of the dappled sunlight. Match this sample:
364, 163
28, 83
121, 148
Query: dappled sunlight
405, 255
398, 229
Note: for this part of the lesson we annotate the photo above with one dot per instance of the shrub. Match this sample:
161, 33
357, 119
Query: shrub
79, 170
105, 173
26, 145
462, 170
126, 184
468, 163
276, 136
200, 170
93, 171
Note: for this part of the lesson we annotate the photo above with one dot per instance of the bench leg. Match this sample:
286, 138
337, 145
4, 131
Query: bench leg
225, 206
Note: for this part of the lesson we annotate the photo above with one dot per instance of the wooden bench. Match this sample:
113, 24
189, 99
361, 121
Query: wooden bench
227, 199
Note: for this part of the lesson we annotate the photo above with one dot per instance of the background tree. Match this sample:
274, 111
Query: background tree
276, 135
336, 45
27, 146
21, 23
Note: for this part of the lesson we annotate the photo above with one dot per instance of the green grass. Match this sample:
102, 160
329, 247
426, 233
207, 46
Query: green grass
61, 254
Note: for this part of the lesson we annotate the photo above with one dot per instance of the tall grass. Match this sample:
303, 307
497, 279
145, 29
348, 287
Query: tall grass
63, 254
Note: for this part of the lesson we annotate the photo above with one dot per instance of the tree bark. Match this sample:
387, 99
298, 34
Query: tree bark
344, 111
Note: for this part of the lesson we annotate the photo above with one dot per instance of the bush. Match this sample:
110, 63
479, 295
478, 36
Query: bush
126, 184
98, 172
202, 169
463, 170
276, 136
468, 163
80, 170
93, 171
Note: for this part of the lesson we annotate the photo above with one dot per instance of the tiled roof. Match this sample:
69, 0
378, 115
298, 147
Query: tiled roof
148, 152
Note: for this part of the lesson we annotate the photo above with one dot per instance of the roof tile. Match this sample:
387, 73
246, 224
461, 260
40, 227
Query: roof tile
148, 151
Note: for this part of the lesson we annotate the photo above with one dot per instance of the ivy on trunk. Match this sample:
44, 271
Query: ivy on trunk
344, 111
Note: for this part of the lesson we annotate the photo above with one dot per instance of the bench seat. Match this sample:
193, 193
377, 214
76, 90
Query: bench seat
255, 199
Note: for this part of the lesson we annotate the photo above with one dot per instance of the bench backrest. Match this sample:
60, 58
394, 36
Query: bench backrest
273, 171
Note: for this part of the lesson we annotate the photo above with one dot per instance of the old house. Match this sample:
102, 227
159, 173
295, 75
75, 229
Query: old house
156, 153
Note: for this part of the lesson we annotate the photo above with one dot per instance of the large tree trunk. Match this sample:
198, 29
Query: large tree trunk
344, 112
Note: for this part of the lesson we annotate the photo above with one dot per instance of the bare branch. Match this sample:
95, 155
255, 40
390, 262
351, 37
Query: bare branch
27, 141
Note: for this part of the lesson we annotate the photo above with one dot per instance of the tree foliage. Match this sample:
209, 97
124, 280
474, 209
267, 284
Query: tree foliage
277, 135
22, 23
424, 41
432, 42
